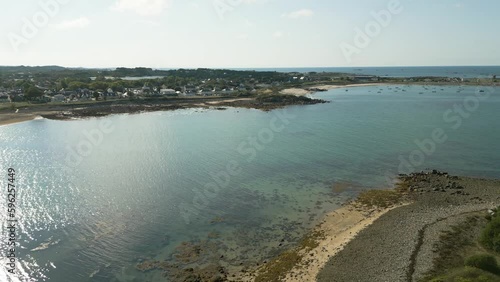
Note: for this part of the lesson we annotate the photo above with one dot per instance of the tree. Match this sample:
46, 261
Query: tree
64, 83
99, 85
73, 85
33, 92
118, 86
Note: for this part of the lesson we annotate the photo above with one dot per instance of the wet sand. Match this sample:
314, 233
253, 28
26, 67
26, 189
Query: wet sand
338, 227
6, 119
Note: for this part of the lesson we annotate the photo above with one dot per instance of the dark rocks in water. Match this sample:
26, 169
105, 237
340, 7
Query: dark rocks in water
150, 265
188, 252
314, 89
212, 273
217, 219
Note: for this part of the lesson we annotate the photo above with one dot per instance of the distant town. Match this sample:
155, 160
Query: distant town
52, 84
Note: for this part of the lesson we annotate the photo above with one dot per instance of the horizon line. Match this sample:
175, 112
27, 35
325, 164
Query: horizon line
249, 68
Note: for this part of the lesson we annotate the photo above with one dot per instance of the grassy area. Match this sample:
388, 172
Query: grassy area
467, 274
490, 238
462, 257
14, 106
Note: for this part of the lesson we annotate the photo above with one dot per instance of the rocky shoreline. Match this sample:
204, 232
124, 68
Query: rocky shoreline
399, 245
383, 235
104, 108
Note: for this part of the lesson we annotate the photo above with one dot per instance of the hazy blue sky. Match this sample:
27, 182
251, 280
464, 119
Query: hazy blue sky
246, 33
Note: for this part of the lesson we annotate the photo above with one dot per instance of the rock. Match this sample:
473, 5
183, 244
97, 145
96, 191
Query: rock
217, 279
193, 278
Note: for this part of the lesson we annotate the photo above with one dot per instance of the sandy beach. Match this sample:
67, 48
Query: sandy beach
338, 228
6, 119
335, 230
313, 89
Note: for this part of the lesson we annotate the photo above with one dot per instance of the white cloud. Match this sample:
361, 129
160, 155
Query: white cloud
304, 13
141, 7
459, 5
278, 34
76, 23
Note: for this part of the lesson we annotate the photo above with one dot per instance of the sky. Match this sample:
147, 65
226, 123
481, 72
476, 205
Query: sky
249, 33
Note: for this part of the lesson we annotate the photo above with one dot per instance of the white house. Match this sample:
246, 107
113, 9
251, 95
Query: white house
167, 91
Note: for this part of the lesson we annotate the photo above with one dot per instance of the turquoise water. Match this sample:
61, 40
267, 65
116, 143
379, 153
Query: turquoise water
143, 184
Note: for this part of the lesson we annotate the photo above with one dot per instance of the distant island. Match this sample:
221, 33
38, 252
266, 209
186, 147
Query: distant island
62, 93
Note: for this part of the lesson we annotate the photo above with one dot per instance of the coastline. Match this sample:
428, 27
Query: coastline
287, 97
338, 228
326, 87
8, 119
359, 242
400, 245
328, 238
58, 111
105, 108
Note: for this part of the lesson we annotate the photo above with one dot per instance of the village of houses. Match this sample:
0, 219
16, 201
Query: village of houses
201, 89
84, 94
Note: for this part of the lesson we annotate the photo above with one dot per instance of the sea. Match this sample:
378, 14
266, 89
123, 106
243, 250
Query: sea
400, 72
97, 197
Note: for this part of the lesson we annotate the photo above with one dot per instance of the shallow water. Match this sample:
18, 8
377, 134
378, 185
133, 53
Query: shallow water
141, 190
